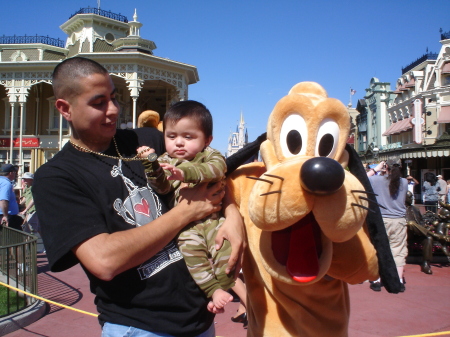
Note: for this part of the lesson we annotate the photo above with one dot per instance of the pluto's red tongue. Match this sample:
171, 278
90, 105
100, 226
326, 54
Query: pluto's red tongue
303, 262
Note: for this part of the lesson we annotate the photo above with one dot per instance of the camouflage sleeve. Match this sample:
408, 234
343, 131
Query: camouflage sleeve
156, 178
207, 166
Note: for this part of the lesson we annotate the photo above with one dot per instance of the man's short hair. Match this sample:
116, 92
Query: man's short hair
190, 109
66, 74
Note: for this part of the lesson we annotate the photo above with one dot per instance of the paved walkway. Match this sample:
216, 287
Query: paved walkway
423, 308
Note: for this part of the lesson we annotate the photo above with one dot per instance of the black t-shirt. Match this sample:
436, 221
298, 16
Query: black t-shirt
79, 195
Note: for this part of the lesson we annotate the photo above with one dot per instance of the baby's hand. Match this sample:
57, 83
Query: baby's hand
144, 151
175, 173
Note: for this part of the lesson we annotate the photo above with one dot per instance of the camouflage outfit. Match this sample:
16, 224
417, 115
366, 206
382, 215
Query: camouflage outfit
196, 240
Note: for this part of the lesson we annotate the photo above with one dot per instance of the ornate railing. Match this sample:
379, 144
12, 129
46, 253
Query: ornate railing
32, 39
101, 12
18, 268
444, 36
427, 56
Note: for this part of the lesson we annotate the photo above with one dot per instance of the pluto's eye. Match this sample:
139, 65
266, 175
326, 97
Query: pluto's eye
327, 138
293, 136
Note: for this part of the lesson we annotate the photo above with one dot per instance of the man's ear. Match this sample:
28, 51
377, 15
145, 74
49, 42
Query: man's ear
63, 107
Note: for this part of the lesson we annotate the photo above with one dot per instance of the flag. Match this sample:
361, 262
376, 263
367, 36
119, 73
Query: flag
352, 92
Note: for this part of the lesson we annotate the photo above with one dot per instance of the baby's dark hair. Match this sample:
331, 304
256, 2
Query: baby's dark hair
67, 73
190, 109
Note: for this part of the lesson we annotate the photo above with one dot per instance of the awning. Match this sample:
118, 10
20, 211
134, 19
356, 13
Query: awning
444, 115
388, 131
403, 126
400, 126
446, 68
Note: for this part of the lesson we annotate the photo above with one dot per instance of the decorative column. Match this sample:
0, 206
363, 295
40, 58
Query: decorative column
11, 143
21, 105
134, 98
134, 86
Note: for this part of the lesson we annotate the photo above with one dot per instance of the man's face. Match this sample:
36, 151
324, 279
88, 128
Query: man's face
27, 182
93, 113
12, 175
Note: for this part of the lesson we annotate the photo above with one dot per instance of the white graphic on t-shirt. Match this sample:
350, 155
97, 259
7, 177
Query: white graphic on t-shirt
139, 208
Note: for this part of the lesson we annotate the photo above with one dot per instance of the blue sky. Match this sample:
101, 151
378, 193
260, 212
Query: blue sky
250, 53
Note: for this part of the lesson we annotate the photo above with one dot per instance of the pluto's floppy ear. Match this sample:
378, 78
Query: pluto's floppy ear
377, 231
245, 154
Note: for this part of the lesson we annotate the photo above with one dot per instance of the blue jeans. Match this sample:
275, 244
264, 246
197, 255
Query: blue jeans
116, 330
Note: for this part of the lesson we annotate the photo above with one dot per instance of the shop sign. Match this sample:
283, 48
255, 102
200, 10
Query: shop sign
26, 142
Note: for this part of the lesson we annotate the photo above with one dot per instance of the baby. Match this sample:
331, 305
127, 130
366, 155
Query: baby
189, 159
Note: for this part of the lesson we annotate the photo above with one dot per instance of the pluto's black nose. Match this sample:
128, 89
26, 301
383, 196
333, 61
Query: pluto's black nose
322, 175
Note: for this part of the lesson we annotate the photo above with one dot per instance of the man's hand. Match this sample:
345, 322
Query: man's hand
233, 231
5, 221
144, 151
200, 200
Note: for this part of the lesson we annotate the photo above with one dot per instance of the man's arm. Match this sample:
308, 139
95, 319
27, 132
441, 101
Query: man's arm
4, 205
107, 255
232, 230
30, 204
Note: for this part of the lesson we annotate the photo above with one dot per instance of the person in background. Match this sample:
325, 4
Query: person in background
31, 223
442, 188
448, 191
411, 183
391, 190
430, 192
9, 208
377, 170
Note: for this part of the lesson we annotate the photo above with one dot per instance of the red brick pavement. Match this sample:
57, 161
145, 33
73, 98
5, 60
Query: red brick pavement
423, 308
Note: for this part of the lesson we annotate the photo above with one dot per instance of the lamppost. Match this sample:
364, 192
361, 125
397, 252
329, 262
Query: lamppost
375, 151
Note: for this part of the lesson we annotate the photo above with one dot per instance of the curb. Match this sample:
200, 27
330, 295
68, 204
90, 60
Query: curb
22, 318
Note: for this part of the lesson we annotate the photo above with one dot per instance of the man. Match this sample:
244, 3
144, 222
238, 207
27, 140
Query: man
32, 223
9, 208
443, 188
95, 208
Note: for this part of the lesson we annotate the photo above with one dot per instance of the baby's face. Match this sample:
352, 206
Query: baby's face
184, 139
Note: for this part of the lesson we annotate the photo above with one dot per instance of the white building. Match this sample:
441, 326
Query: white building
237, 139
31, 129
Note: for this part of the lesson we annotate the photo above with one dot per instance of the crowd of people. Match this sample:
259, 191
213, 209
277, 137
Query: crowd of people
16, 211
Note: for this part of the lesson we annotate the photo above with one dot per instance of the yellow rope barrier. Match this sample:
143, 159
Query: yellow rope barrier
48, 301
444, 333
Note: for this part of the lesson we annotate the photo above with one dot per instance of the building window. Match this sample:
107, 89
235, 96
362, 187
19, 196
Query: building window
109, 37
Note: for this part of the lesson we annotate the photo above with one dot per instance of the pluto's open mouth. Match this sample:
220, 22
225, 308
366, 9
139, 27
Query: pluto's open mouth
299, 247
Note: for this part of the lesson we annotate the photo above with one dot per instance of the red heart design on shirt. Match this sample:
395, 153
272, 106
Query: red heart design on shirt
142, 208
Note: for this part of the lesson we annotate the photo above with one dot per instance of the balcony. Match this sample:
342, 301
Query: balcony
101, 12
428, 56
32, 39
